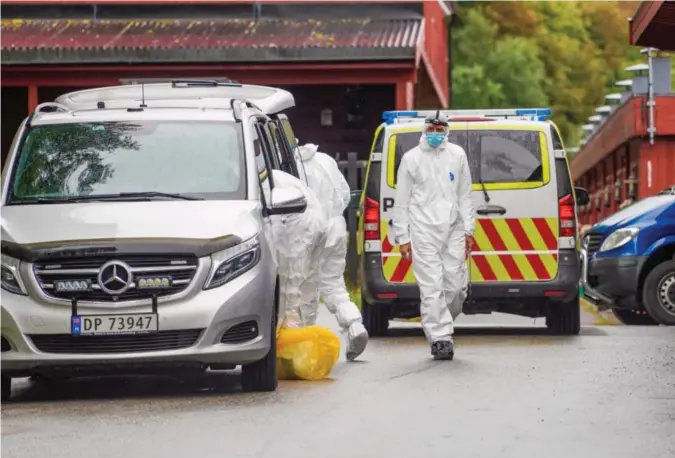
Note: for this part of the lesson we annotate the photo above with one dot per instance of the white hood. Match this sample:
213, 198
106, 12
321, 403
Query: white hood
308, 151
30, 224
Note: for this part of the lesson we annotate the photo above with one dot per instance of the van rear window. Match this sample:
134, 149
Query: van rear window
495, 156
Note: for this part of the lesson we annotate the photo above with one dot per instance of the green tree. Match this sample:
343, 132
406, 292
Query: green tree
565, 55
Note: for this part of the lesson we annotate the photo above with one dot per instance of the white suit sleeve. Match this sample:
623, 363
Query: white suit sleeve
404, 185
466, 208
337, 178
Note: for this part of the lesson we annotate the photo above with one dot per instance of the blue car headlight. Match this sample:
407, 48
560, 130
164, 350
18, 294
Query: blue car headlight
229, 264
10, 278
619, 238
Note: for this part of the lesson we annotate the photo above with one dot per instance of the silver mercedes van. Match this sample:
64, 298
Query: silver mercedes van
133, 232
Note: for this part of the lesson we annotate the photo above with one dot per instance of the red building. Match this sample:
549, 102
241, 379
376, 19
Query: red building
345, 62
620, 160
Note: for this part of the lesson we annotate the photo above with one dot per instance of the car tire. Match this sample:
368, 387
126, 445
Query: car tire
6, 387
262, 375
634, 317
375, 319
564, 318
658, 293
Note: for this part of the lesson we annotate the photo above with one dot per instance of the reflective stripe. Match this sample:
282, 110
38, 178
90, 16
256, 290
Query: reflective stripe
506, 249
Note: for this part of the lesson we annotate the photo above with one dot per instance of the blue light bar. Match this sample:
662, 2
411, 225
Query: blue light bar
533, 114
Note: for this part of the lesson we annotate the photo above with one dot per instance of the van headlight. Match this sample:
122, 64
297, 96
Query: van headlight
619, 238
228, 264
10, 278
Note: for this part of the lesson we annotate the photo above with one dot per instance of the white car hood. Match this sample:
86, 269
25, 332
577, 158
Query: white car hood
186, 220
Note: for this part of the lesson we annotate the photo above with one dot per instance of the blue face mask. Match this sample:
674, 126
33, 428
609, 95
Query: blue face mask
434, 139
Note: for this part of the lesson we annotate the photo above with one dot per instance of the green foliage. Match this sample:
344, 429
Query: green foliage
565, 55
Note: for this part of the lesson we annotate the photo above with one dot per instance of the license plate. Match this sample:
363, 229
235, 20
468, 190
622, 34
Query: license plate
136, 323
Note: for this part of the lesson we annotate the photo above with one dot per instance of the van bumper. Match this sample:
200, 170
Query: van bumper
490, 297
608, 280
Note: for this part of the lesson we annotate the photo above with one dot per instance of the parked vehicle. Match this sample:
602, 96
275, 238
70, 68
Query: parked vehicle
525, 260
629, 262
133, 231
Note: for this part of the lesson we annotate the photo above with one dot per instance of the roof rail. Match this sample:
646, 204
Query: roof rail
49, 107
203, 83
527, 114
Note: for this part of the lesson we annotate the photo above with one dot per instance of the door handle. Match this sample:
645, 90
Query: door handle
491, 210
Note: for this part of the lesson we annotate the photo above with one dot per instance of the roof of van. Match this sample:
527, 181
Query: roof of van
180, 94
501, 123
124, 115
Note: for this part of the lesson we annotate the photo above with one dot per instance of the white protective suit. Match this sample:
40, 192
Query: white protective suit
434, 211
298, 242
329, 185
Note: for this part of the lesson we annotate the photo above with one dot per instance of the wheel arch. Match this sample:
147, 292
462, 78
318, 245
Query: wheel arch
662, 253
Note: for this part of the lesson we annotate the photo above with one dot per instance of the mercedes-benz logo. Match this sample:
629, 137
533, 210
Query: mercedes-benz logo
115, 277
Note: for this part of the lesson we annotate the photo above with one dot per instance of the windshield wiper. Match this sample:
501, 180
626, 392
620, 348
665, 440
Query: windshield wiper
106, 197
152, 194
486, 196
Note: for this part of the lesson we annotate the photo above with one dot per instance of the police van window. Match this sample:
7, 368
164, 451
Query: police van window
408, 140
557, 141
378, 145
507, 156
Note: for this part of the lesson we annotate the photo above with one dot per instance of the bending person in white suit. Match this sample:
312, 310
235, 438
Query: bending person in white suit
330, 187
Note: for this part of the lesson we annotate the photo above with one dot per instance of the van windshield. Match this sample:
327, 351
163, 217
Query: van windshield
202, 160
495, 156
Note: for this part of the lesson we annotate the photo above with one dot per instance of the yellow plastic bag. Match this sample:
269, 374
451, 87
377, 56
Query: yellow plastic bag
306, 353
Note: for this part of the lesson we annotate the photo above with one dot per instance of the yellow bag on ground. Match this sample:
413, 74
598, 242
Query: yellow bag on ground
306, 353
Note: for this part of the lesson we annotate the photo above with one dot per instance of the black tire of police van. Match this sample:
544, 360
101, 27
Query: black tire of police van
634, 317
650, 294
6, 387
564, 318
375, 319
262, 375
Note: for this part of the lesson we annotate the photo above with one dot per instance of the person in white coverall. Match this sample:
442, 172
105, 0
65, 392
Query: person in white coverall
298, 242
330, 187
433, 224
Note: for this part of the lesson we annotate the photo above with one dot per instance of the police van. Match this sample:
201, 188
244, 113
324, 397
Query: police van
525, 259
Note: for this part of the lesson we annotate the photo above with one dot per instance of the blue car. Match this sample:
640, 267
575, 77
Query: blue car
628, 262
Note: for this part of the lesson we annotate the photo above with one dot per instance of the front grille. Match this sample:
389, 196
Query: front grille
181, 269
158, 341
242, 332
592, 242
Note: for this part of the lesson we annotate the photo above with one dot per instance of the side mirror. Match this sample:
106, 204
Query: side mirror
286, 201
581, 196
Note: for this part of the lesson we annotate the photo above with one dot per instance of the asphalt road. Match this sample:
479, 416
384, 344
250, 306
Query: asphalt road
512, 391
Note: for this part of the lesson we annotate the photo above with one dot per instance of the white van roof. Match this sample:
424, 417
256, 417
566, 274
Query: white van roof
179, 94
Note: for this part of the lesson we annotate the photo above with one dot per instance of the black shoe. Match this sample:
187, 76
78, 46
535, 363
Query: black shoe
443, 350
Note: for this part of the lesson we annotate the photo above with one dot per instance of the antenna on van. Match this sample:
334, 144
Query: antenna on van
143, 105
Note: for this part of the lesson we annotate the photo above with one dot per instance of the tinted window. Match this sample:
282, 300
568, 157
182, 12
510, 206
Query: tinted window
285, 156
557, 141
408, 140
378, 144
288, 131
202, 159
263, 163
507, 156
563, 178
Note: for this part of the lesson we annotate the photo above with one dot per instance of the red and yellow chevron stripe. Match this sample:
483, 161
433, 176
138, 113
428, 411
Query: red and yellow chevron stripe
506, 249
